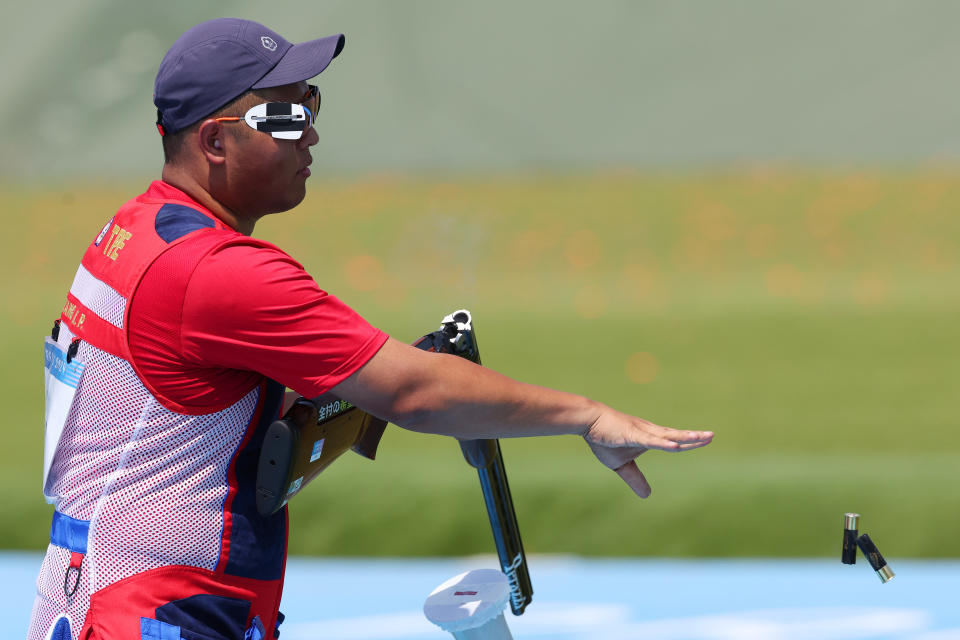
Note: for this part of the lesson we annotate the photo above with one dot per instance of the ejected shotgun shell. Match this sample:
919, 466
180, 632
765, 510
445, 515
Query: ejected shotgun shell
884, 572
849, 553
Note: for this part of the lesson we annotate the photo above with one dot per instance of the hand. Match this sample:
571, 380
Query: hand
617, 439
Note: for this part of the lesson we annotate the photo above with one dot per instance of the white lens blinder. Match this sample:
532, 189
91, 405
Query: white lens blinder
283, 120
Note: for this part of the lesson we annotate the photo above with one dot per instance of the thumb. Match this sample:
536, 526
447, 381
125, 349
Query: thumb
631, 474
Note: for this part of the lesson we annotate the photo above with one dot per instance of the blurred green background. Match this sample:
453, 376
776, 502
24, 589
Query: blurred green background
737, 216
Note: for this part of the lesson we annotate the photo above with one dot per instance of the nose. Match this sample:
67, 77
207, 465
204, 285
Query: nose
309, 138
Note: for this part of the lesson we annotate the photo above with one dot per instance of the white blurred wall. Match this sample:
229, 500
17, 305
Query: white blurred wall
506, 85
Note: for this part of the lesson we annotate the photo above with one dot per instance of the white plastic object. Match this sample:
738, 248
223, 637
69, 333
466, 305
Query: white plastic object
470, 605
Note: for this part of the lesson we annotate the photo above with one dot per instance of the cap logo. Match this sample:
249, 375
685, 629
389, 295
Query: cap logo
268, 43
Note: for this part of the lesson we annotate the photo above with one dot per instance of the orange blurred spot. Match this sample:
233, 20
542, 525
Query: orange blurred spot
870, 289
836, 252
445, 190
527, 247
707, 231
590, 302
713, 220
824, 216
783, 280
929, 193
642, 367
787, 281
639, 279
769, 176
861, 190
582, 249
934, 257
364, 272
696, 252
760, 240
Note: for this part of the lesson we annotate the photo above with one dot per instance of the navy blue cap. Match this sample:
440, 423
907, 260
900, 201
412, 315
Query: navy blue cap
217, 61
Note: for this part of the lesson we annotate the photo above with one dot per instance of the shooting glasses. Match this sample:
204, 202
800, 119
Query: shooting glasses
282, 120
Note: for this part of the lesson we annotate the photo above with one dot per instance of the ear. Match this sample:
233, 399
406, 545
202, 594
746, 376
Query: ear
211, 139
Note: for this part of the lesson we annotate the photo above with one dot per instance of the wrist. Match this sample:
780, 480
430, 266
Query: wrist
592, 412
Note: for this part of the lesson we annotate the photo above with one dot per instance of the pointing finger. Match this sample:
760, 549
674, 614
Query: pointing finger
634, 478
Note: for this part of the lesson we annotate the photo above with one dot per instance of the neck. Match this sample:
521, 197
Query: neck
189, 184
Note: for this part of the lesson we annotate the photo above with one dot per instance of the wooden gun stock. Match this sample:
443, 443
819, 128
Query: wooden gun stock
308, 439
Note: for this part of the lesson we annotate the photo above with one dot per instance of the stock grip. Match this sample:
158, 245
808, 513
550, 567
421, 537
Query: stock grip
278, 456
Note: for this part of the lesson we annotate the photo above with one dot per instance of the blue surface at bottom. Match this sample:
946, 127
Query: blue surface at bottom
593, 599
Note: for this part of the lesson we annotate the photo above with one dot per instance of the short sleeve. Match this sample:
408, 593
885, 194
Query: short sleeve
252, 307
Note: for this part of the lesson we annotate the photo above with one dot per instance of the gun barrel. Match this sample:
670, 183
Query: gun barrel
503, 519
456, 335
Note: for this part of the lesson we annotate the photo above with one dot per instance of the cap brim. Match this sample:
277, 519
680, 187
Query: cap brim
302, 61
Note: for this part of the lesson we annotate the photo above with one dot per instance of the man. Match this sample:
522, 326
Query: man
177, 339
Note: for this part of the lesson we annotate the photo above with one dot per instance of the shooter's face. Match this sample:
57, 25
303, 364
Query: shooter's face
265, 174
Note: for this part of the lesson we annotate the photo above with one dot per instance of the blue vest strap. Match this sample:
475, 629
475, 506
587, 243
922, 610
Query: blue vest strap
69, 533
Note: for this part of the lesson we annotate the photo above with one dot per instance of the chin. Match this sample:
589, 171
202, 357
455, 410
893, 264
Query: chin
294, 198
300, 197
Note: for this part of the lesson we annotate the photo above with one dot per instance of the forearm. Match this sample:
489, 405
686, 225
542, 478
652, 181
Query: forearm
467, 401
440, 393
444, 394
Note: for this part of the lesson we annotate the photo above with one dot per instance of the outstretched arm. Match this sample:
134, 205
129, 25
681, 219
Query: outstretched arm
445, 394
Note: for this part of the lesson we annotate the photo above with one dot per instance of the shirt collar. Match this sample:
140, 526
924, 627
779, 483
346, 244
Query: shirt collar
160, 191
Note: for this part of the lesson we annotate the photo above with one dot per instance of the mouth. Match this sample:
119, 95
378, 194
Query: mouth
305, 170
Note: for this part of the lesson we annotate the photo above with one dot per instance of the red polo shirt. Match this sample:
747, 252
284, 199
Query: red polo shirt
203, 333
